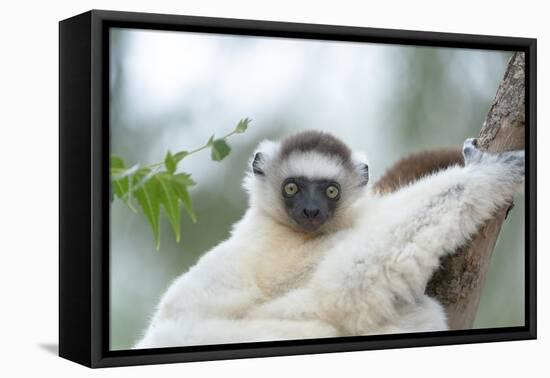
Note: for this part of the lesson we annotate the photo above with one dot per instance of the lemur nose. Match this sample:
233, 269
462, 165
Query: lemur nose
311, 213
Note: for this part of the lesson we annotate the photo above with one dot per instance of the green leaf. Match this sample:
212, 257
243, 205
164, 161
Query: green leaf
180, 183
170, 163
117, 166
117, 162
140, 178
120, 187
242, 126
180, 155
147, 196
169, 200
220, 149
185, 179
210, 140
118, 173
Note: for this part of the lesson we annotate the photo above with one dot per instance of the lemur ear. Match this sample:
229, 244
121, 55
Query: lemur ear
264, 153
364, 172
257, 164
361, 164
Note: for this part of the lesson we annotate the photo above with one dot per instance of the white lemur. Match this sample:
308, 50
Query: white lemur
319, 253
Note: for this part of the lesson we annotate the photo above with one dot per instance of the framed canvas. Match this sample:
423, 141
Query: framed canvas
236, 188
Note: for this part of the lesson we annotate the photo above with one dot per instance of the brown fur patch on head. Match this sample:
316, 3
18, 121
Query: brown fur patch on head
317, 141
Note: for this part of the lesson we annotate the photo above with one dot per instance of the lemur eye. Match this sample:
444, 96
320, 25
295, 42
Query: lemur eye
332, 192
291, 189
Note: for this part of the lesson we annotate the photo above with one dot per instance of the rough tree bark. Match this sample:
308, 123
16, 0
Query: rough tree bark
459, 282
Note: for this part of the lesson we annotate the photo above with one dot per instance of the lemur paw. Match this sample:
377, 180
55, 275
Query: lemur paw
471, 153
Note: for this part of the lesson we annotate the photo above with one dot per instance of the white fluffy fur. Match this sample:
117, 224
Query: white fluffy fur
368, 276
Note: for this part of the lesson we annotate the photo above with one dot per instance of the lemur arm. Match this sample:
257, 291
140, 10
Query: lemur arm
448, 207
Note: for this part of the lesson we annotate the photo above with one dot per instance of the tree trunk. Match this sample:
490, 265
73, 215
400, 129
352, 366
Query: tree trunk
459, 282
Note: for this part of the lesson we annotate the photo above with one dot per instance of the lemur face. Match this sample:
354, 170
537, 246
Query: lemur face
310, 203
308, 181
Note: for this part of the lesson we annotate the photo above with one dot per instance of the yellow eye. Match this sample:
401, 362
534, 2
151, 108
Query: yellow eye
332, 192
291, 189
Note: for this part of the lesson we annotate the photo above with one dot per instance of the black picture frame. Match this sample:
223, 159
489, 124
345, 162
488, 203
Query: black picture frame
84, 193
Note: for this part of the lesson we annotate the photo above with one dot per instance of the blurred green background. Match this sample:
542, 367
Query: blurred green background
172, 90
